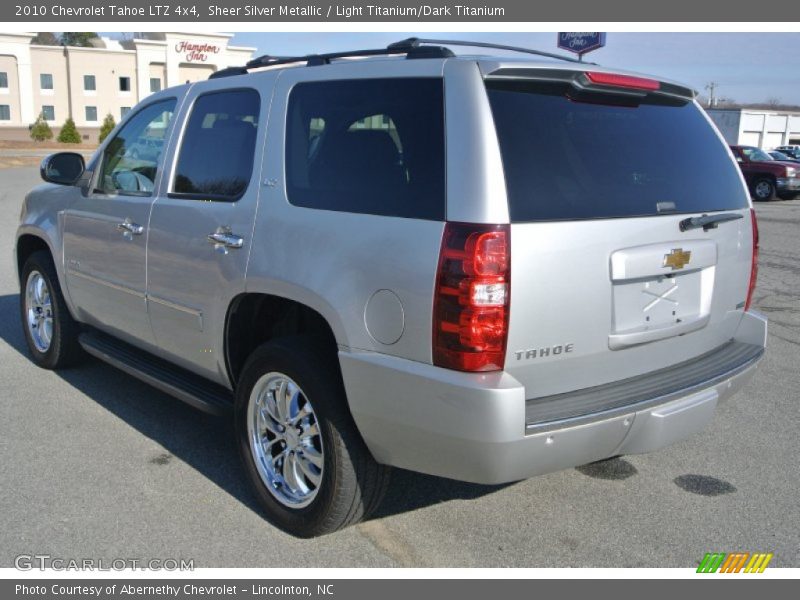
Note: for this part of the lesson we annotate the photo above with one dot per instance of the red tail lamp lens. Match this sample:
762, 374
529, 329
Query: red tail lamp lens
471, 306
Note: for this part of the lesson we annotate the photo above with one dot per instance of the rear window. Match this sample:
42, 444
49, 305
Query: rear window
367, 146
565, 159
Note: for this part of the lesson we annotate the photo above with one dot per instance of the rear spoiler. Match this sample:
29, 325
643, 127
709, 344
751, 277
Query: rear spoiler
596, 81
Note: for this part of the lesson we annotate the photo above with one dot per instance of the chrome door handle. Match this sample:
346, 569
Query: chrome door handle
127, 226
225, 239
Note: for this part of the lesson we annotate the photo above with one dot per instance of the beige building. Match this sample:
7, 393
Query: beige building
111, 78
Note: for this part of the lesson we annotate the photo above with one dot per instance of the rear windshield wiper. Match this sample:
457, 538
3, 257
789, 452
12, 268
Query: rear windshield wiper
708, 221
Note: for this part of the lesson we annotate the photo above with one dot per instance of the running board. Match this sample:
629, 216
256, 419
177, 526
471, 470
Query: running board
175, 381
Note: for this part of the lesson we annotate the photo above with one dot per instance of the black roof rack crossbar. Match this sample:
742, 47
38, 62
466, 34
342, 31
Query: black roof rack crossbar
412, 47
312, 60
416, 42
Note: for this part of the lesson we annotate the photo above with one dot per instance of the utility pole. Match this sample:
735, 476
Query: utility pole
712, 101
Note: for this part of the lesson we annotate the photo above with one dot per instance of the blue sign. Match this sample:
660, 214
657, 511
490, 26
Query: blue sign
581, 42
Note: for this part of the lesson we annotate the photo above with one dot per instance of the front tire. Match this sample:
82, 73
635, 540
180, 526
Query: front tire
308, 465
50, 331
764, 189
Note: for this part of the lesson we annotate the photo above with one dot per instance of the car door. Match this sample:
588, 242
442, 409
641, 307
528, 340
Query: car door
105, 231
201, 227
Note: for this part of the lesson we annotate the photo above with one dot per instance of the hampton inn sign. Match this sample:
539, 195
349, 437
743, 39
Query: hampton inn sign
195, 51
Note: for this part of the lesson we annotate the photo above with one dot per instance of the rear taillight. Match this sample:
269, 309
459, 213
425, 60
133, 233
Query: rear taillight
471, 303
622, 81
754, 263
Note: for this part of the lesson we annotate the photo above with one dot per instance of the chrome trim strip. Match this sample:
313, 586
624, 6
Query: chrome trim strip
106, 283
179, 307
531, 428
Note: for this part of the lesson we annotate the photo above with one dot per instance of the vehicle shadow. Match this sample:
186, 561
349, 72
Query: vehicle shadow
205, 442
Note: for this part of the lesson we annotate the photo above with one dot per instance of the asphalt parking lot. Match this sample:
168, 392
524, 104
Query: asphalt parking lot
97, 465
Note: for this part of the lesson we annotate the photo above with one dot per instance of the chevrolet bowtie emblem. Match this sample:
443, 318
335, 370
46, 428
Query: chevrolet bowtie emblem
677, 259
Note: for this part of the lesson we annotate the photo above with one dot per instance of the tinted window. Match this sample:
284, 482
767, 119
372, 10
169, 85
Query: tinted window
49, 112
5, 112
566, 159
91, 113
216, 156
89, 83
3, 79
756, 154
46, 81
368, 146
130, 160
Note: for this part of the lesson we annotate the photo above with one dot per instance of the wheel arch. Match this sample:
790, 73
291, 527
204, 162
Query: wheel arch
27, 243
254, 318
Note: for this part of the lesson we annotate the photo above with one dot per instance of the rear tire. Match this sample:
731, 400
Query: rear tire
50, 331
764, 189
309, 467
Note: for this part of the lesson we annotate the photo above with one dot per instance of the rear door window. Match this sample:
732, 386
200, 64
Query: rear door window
566, 159
367, 146
216, 156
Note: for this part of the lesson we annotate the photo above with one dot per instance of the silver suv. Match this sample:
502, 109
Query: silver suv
477, 268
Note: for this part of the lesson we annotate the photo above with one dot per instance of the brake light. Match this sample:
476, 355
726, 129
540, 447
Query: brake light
471, 303
623, 81
754, 264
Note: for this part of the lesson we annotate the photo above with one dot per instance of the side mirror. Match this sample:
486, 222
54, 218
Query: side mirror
64, 168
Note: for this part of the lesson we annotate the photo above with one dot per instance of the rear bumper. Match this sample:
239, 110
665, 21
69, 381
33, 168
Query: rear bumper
473, 427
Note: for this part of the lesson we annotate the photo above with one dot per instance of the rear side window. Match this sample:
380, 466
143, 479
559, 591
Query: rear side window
565, 159
215, 160
368, 146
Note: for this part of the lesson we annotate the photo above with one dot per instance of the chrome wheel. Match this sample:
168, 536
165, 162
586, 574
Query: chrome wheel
39, 311
285, 440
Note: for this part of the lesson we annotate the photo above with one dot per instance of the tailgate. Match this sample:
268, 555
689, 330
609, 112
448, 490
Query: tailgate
605, 282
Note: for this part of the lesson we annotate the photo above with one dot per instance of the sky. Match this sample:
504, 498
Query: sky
748, 67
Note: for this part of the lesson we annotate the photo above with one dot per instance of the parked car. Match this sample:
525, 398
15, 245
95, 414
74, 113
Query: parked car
780, 156
476, 268
766, 177
793, 150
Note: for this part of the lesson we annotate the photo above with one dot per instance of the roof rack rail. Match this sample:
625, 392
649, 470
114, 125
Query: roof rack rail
416, 42
412, 47
313, 60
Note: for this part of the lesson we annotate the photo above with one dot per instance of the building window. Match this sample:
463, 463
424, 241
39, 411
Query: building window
155, 85
124, 110
124, 84
3, 79
5, 112
91, 113
46, 81
49, 112
89, 83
